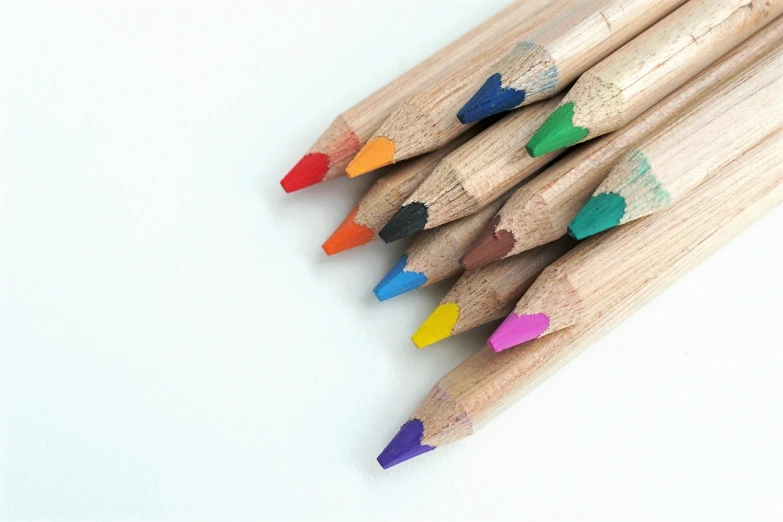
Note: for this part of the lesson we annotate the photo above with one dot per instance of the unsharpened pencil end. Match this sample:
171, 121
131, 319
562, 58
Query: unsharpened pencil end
411, 218
492, 98
310, 170
437, 326
405, 445
398, 281
601, 212
348, 235
518, 329
377, 153
490, 246
557, 132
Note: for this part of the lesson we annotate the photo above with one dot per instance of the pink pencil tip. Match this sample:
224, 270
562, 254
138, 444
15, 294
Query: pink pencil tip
518, 329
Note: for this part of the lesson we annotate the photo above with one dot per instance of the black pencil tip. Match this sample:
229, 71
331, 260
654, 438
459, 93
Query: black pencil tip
408, 220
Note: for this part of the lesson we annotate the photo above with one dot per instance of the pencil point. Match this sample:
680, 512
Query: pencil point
377, 153
411, 218
348, 235
310, 170
601, 212
397, 281
557, 132
518, 329
490, 246
405, 445
492, 98
437, 326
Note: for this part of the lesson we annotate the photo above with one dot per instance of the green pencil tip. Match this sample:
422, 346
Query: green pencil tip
557, 132
602, 212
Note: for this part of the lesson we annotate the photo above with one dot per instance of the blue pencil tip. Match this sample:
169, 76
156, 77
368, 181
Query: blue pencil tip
398, 281
492, 98
405, 445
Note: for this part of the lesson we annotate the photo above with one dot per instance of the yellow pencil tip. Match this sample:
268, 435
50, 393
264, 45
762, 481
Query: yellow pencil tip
377, 153
437, 326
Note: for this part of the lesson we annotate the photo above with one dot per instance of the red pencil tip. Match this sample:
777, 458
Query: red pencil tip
310, 170
348, 235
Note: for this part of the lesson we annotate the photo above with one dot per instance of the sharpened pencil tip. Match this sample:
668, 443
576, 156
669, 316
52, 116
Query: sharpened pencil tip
557, 132
377, 153
601, 212
310, 170
411, 218
438, 326
518, 329
491, 245
405, 445
348, 235
398, 281
492, 98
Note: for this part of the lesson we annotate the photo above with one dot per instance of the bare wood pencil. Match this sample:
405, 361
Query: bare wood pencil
665, 166
556, 53
652, 65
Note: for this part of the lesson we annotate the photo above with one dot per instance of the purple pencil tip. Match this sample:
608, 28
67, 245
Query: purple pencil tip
518, 329
405, 445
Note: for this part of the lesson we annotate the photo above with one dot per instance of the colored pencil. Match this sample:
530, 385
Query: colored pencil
472, 394
489, 293
651, 66
434, 255
330, 155
608, 268
540, 211
386, 196
474, 175
665, 166
557, 52
427, 119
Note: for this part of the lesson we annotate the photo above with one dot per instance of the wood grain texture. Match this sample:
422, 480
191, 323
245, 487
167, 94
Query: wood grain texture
480, 171
490, 292
609, 267
540, 211
427, 119
642, 72
482, 387
575, 41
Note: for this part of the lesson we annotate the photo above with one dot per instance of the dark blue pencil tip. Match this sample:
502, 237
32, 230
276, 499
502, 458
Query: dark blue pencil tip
398, 281
405, 445
492, 98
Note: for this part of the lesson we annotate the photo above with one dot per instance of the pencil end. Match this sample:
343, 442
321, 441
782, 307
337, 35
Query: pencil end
310, 170
557, 132
518, 329
411, 218
405, 445
348, 235
491, 245
377, 153
601, 212
399, 281
492, 98
438, 326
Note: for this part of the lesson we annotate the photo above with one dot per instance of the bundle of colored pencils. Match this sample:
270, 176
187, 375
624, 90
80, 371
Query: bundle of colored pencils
680, 101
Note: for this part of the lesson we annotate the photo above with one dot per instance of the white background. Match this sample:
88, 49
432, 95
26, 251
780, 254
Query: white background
176, 346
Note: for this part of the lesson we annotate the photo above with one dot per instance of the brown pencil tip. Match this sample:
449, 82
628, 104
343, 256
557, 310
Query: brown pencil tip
491, 245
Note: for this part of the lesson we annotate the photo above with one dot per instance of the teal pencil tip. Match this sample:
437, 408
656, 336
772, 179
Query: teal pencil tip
557, 132
602, 212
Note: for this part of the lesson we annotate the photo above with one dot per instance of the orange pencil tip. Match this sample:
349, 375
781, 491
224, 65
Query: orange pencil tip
377, 153
348, 235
